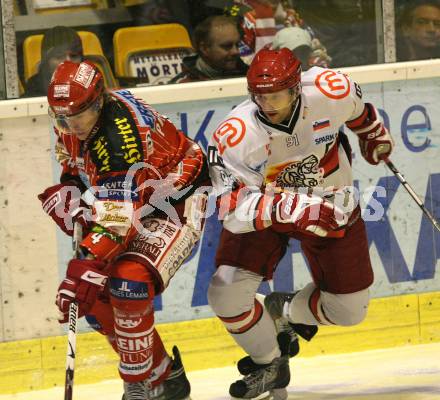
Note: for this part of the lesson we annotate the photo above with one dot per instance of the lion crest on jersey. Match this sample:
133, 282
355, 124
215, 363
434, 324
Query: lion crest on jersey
304, 173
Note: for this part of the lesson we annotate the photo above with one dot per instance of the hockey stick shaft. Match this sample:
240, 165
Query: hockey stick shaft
73, 318
411, 191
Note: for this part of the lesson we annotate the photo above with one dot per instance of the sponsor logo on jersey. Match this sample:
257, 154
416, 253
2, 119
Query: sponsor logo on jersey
325, 138
127, 289
144, 115
333, 85
100, 149
117, 188
320, 124
130, 147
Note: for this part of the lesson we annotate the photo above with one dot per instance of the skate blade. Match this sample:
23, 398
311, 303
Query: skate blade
262, 396
274, 394
278, 394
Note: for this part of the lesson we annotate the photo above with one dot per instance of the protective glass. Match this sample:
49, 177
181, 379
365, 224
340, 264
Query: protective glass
271, 102
78, 124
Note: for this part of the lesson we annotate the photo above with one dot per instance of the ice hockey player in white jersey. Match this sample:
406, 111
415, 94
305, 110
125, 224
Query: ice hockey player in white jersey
281, 167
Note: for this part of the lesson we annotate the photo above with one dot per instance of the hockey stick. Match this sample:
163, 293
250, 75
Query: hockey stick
410, 190
73, 318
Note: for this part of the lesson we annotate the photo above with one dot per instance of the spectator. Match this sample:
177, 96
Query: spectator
347, 27
262, 22
297, 40
59, 44
216, 41
419, 34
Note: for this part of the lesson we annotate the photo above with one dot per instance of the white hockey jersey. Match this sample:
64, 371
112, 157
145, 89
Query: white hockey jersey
307, 151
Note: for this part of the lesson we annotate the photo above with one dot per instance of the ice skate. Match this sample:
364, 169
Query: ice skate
274, 304
275, 301
288, 343
175, 387
135, 391
266, 382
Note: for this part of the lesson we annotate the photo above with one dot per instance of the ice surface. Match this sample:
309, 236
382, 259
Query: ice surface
403, 373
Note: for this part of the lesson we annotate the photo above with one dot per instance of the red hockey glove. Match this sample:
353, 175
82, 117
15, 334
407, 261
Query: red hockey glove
63, 203
306, 212
375, 141
373, 148
83, 282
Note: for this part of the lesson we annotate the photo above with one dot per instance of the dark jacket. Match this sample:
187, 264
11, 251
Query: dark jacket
35, 86
190, 73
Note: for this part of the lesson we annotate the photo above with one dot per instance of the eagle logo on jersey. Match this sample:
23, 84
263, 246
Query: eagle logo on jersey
304, 173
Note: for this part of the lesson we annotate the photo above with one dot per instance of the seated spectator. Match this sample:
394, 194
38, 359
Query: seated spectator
419, 34
59, 44
264, 20
216, 41
347, 27
299, 41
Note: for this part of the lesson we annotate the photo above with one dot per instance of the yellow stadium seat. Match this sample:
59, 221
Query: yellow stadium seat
91, 47
159, 48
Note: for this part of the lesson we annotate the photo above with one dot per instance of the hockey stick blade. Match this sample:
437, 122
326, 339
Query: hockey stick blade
411, 191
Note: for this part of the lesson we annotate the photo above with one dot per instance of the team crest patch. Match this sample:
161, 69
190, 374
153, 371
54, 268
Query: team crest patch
304, 173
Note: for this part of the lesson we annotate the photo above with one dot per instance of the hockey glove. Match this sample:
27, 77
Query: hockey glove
63, 203
84, 281
374, 148
375, 141
306, 212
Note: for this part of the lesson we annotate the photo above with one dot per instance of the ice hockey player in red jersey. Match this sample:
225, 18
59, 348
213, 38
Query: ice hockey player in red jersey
142, 215
281, 167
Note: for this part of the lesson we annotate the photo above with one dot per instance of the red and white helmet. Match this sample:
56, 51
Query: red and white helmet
273, 70
74, 87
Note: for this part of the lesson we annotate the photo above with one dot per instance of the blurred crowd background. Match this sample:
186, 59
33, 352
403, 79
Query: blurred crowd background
151, 42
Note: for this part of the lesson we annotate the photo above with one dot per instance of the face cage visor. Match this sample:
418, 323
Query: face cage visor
273, 102
77, 124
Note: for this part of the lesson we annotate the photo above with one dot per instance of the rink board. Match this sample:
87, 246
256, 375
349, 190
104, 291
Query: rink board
393, 321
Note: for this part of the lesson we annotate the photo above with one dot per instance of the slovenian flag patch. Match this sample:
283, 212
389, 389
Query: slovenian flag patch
321, 124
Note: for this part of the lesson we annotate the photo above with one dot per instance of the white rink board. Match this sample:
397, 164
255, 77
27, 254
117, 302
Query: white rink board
405, 373
404, 249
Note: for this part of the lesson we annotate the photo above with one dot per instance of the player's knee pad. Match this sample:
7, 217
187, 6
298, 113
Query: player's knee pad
232, 290
345, 309
231, 295
131, 287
